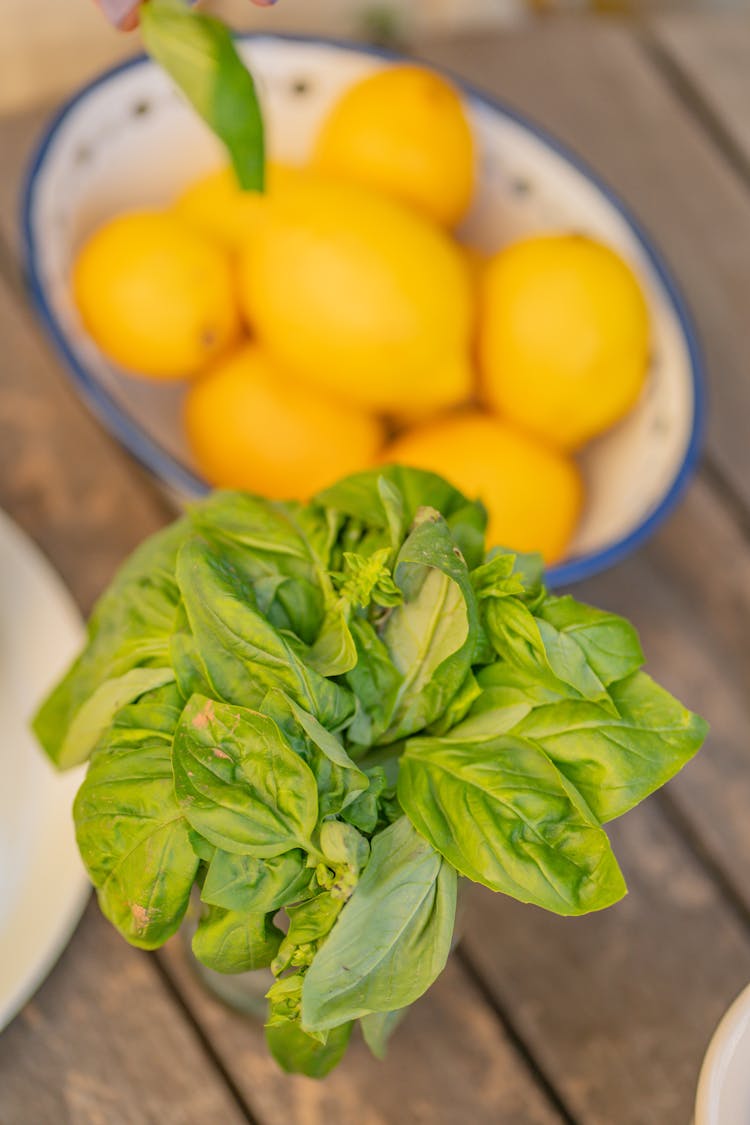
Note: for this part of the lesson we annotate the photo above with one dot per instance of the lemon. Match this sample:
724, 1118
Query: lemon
359, 296
563, 337
249, 426
403, 130
158, 298
216, 204
533, 494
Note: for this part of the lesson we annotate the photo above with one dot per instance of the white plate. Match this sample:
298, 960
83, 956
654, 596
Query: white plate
724, 1086
43, 887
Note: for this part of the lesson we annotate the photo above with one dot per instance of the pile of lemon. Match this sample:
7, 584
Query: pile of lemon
335, 322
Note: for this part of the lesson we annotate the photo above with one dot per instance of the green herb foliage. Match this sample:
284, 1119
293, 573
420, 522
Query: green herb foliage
198, 53
333, 711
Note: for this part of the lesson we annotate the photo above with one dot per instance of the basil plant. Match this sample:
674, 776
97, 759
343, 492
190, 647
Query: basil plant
322, 715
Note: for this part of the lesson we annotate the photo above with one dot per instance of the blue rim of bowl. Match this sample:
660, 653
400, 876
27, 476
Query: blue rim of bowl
178, 478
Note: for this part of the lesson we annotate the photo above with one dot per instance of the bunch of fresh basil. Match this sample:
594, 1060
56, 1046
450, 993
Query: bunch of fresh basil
326, 713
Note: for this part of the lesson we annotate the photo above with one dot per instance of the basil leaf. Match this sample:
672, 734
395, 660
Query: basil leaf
458, 708
342, 844
364, 812
198, 53
229, 941
129, 628
243, 655
431, 637
617, 760
393, 936
258, 886
609, 643
378, 1027
502, 815
334, 651
296, 1052
375, 682
338, 778
539, 649
96, 714
130, 830
239, 783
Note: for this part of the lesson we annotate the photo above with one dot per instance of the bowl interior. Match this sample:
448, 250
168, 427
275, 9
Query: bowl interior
131, 141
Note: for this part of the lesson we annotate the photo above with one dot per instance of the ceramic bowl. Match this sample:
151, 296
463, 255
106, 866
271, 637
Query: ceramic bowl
724, 1086
128, 140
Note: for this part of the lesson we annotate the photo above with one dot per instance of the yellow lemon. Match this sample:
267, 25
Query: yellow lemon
158, 298
249, 426
533, 494
216, 204
360, 296
563, 337
404, 131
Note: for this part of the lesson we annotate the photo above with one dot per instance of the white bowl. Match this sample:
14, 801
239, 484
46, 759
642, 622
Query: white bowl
724, 1085
128, 140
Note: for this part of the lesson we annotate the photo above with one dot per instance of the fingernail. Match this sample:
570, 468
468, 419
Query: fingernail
119, 11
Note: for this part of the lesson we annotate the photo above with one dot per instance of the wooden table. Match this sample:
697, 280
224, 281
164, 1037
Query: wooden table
537, 1019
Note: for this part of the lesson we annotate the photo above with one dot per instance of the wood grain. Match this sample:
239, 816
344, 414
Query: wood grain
598, 90
711, 50
619, 1006
449, 1062
102, 1043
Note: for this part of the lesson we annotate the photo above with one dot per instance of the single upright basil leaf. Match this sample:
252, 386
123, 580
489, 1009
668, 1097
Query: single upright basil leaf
504, 816
431, 637
258, 886
617, 760
243, 655
364, 813
333, 652
392, 938
609, 643
296, 1052
130, 830
239, 783
230, 941
198, 53
96, 714
129, 628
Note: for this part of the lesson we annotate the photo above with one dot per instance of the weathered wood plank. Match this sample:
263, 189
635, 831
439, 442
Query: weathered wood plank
711, 49
596, 88
619, 1006
103, 1042
61, 477
450, 1062
689, 594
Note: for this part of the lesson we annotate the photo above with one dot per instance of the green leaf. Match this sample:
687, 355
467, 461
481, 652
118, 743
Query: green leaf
243, 654
375, 682
364, 812
539, 649
129, 628
296, 1052
198, 53
378, 1028
229, 941
130, 830
617, 760
392, 938
258, 886
339, 780
343, 844
609, 643
431, 637
239, 783
504, 816
334, 652
96, 714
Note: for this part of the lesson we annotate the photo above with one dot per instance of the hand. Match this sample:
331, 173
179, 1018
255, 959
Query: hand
124, 13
